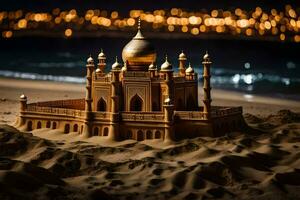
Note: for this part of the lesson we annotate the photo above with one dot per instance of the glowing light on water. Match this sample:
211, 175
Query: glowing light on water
286, 81
247, 65
248, 79
248, 97
236, 78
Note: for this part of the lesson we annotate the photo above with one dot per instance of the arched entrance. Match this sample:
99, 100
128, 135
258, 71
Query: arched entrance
96, 131
75, 128
39, 125
136, 103
67, 128
140, 135
105, 131
29, 126
54, 125
101, 106
48, 124
149, 135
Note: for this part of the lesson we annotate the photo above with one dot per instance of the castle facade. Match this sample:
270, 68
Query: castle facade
136, 100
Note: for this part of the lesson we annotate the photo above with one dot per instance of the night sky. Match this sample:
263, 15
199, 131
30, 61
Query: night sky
124, 6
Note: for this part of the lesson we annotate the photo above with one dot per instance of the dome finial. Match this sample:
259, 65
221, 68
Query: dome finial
139, 23
116, 58
166, 57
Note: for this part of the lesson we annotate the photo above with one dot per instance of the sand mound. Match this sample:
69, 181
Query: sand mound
248, 165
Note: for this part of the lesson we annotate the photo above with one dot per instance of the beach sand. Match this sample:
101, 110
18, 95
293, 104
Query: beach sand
261, 162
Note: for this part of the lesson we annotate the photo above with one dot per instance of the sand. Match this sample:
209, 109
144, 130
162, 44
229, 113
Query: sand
261, 162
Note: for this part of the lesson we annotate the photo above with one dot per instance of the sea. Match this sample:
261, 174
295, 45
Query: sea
268, 68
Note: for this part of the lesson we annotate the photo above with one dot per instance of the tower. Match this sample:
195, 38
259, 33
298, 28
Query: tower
115, 100
168, 105
182, 60
88, 97
167, 70
102, 62
23, 105
206, 86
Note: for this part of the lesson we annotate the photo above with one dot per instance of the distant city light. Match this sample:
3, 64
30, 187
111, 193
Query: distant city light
68, 32
282, 25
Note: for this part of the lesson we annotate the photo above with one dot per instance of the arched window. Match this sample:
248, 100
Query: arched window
140, 136
105, 131
136, 103
29, 126
67, 128
39, 125
157, 135
129, 134
149, 135
48, 124
96, 131
101, 106
190, 104
179, 104
75, 128
54, 125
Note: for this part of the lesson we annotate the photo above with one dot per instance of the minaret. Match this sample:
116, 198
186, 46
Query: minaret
152, 69
88, 97
182, 60
102, 62
168, 105
206, 85
23, 105
115, 101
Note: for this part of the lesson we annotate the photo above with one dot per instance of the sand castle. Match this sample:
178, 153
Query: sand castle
137, 101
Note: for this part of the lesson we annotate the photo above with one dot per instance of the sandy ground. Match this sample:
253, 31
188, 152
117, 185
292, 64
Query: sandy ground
261, 162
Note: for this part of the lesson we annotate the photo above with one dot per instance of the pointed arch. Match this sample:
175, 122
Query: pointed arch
75, 128
101, 105
136, 103
29, 126
140, 135
67, 128
48, 125
39, 125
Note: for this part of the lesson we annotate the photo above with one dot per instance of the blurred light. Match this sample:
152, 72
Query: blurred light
247, 65
7, 34
68, 32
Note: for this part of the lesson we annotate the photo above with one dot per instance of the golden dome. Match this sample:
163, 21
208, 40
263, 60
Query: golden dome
189, 70
90, 60
116, 65
166, 66
138, 53
182, 56
101, 55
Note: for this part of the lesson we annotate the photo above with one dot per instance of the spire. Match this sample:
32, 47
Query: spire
139, 34
139, 23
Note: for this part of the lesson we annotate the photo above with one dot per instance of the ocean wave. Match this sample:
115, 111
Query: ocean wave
36, 76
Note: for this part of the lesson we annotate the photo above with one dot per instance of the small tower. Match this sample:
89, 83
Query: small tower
167, 70
115, 101
169, 119
152, 69
23, 105
189, 73
182, 60
102, 62
90, 66
206, 85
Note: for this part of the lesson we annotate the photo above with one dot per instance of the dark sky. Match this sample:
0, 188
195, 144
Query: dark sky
124, 6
